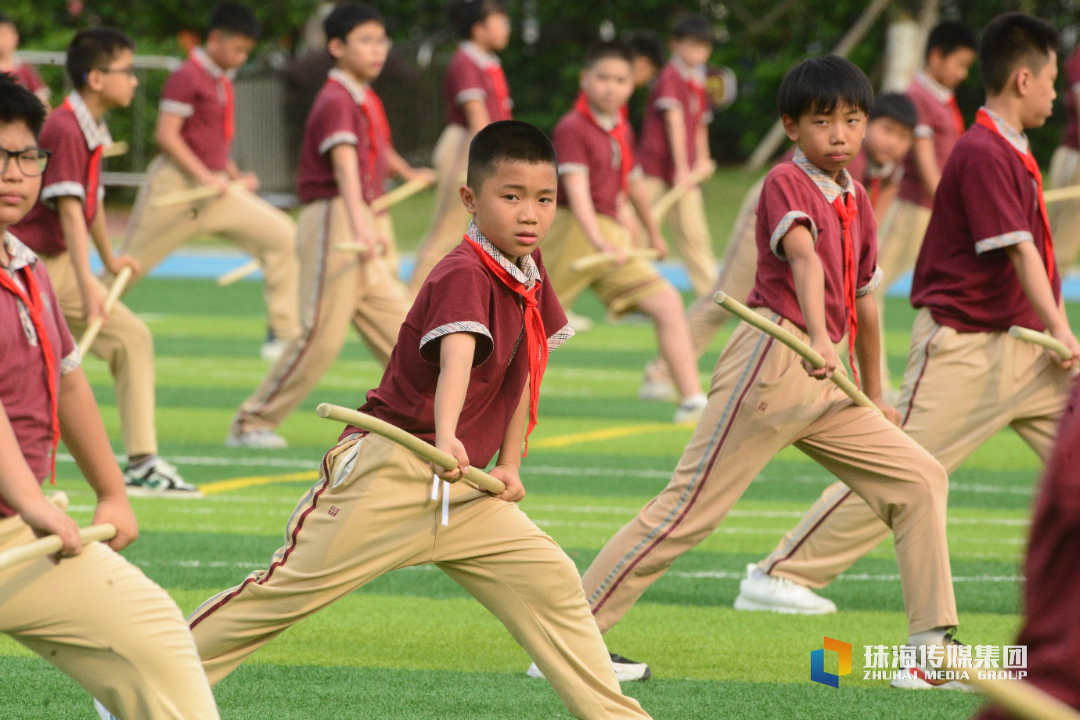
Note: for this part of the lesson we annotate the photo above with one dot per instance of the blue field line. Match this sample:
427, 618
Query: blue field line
203, 264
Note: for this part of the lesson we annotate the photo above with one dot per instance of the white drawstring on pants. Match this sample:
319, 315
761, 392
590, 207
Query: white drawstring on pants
445, 497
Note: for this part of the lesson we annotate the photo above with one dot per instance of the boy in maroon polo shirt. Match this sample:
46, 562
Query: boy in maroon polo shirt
987, 264
195, 130
476, 94
87, 610
465, 377
597, 175
816, 271
344, 162
99, 63
675, 142
878, 167
10, 63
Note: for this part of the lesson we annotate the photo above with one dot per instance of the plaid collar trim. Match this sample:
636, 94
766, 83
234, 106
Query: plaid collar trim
358, 91
199, 55
607, 121
527, 274
831, 189
1017, 139
694, 75
939, 91
19, 256
481, 58
96, 132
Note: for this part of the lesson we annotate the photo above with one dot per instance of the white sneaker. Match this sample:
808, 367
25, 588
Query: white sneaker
657, 391
690, 409
760, 591
102, 712
915, 677
272, 349
625, 670
580, 323
154, 477
260, 439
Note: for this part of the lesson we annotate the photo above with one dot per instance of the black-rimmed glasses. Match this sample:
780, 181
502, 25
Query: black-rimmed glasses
31, 162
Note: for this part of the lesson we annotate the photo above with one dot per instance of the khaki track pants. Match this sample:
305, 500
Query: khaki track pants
372, 512
258, 228
960, 389
126, 345
100, 621
336, 290
451, 160
761, 400
690, 232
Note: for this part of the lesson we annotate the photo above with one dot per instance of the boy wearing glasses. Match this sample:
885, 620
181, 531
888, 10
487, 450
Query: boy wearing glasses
100, 65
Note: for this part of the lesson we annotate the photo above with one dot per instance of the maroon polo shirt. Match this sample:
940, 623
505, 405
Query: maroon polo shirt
986, 202
791, 196
583, 146
469, 77
67, 175
195, 92
936, 120
462, 295
336, 118
27, 76
24, 389
1071, 136
677, 86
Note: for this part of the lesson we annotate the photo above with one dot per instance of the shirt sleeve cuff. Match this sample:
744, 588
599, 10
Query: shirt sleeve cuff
564, 334
63, 189
565, 168
467, 326
71, 361
791, 218
871, 286
338, 138
1001, 241
924, 131
175, 107
667, 103
469, 94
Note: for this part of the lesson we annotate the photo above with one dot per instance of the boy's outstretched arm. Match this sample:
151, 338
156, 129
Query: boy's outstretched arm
508, 465
346, 164
809, 276
456, 352
868, 353
84, 435
1031, 271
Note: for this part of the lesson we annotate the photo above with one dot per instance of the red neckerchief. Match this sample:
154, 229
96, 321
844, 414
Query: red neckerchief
226, 86
846, 213
93, 175
958, 117
35, 305
371, 110
495, 73
620, 134
535, 336
984, 119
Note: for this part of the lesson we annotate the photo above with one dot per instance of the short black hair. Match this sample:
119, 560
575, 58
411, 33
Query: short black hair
819, 84
346, 16
93, 49
507, 141
466, 13
646, 44
691, 26
1011, 41
5, 19
232, 18
949, 36
17, 104
604, 49
895, 106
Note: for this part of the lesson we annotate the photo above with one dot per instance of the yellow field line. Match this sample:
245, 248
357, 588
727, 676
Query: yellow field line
557, 441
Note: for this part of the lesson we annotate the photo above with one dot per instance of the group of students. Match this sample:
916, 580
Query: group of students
465, 360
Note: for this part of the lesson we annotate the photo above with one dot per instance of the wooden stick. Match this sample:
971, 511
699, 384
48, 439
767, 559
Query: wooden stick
672, 196
380, 203
192, 194
409, 442
839, 377
1038, 338
115, 150
237, 274
1023, 699
92, 330
602, 258
51, 544
1058, 194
